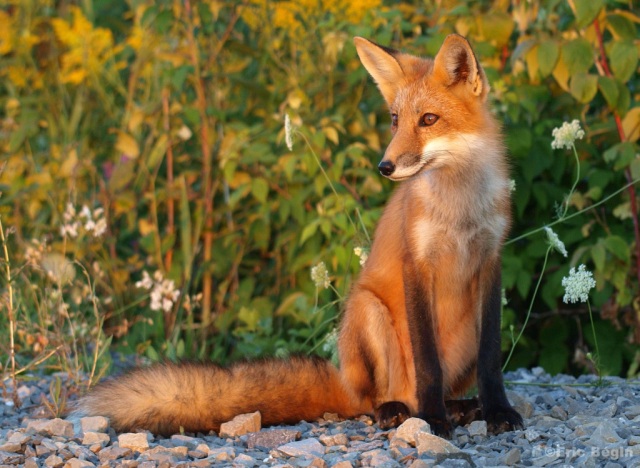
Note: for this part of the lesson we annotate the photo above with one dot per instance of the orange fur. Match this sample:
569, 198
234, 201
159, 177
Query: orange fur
448, 217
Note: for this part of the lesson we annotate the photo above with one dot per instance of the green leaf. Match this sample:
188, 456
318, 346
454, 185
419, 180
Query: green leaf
599, 255
577, 56
548, 53
621, 27
586, 11
618, 247
260, 189
583, 87
623, 57
309, 230
609, 89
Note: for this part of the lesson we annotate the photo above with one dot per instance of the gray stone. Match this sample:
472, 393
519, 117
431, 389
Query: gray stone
408, 429
222, 454
478, 428
91, 438
77, 463
245, 460
558, 412
272, 438
136, 441
9, 458
378, 457
429, 443
241, 424
94, 424
53, 461
307, 447
512, 457
113, 453
604, 434
336, 439
53, 427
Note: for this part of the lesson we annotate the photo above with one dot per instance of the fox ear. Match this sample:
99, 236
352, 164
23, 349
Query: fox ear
382, 65
456, 63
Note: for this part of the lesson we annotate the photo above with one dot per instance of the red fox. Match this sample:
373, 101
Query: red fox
422, 322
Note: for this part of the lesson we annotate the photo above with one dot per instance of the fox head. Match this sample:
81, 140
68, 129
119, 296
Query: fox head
438, 106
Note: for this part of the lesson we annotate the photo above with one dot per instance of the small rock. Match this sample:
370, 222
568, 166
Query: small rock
531, 435
522, 406
408, 429
91, 438
53, 427
336, 439
331, 417
94, 424
187, 441
478, 428
272, 439
512, 457
429, 443
307, 447
604, 433
8, 458
558, 412
378, 457
77, 463
53, 461
19, 438
245, 460
11, 447
241, 424
222, 454
113, 453
343, 464
418, 463
137, 441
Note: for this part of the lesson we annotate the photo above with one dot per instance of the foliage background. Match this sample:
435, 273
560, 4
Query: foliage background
165, 118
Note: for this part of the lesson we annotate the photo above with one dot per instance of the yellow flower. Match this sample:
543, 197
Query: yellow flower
88, 47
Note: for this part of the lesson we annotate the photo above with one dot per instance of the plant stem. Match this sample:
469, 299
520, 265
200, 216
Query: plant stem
595, 340
166, 124
573, 215
12, 324
526, 320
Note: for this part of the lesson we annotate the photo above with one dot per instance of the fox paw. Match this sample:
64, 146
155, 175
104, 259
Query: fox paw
503, 419
440, 427
391, 414
463, 412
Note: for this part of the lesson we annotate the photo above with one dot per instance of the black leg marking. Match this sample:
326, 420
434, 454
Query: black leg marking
496, 409
391, 414
429, 381
463, 412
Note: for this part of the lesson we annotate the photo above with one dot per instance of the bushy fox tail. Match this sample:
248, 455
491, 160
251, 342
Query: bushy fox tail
199, 397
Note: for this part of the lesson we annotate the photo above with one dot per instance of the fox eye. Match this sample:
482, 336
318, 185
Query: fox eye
394, 120
428, 119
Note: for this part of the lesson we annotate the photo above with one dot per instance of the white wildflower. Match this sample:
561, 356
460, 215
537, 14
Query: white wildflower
146, 282
163, 291
320, 276
504, 298
92, 222
70, 229
577, 285
512, 185
69, 213
362, 254
554, 241
288, 132
565, 136
85, 213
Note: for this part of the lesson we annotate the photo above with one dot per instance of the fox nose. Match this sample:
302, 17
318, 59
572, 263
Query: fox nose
386, 168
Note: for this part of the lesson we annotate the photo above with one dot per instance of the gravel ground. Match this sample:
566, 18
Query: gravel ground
569, 422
